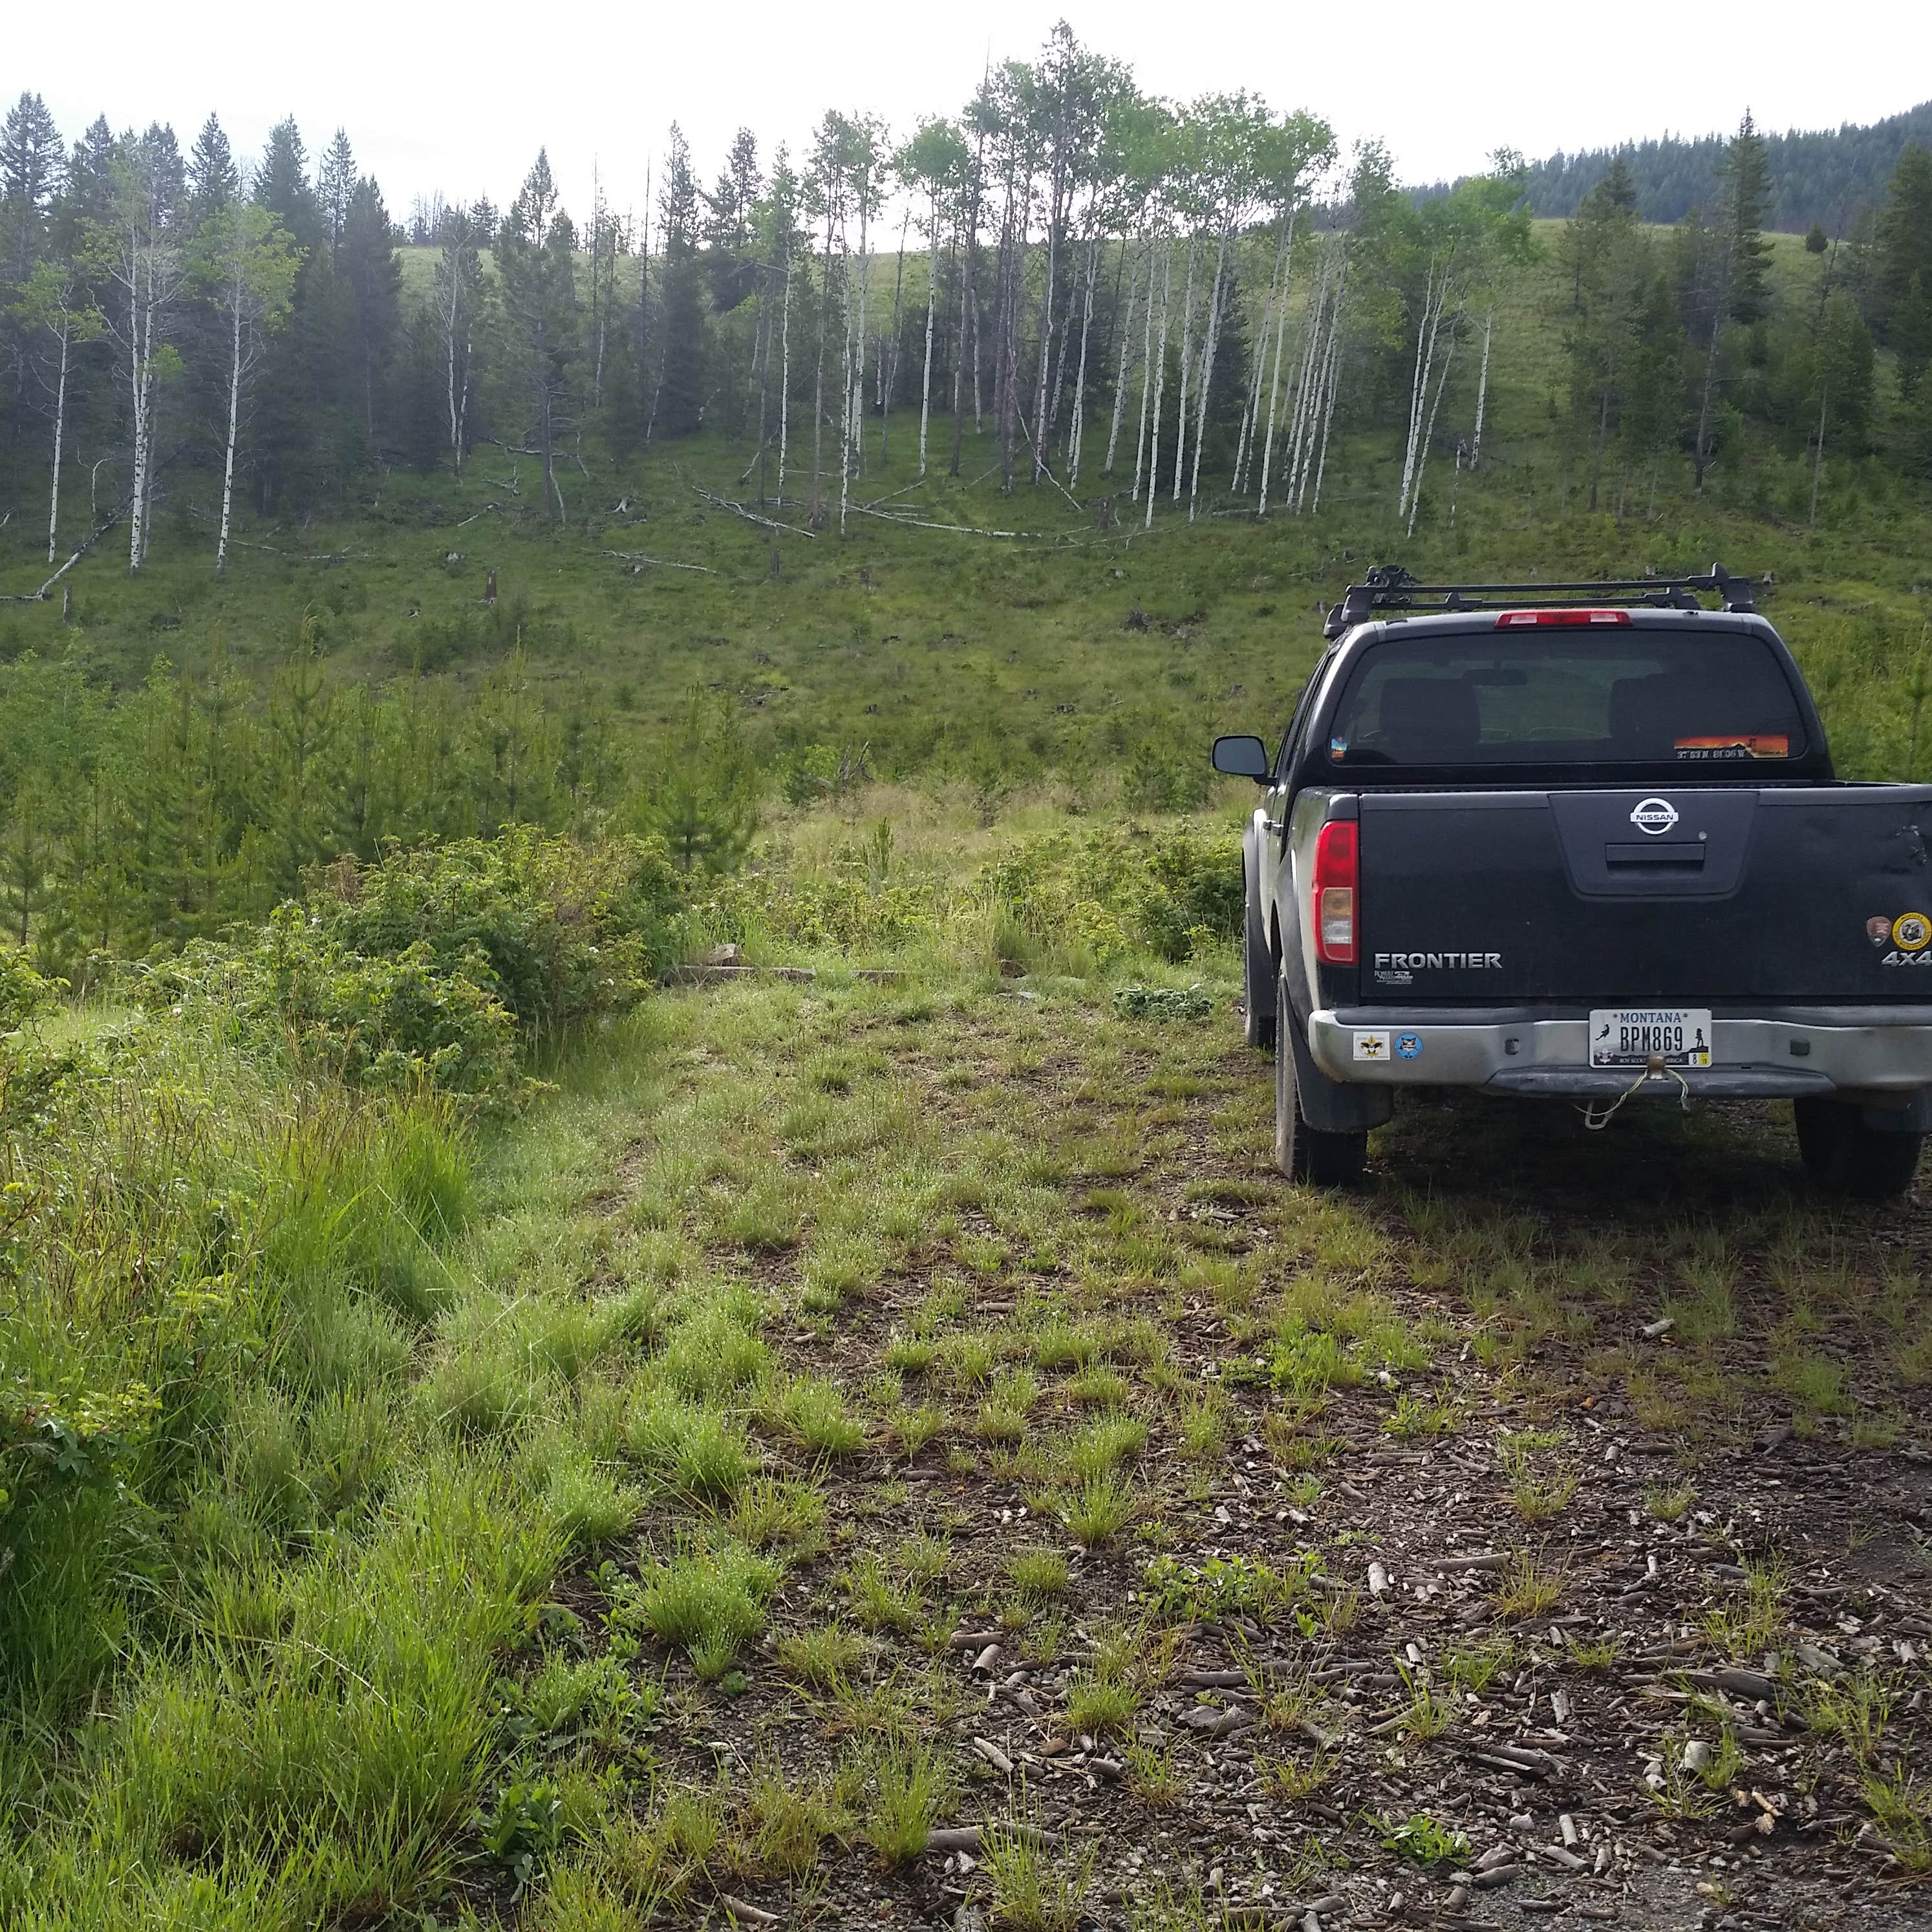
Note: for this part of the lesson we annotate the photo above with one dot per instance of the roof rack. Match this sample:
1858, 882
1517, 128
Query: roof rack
1390, 587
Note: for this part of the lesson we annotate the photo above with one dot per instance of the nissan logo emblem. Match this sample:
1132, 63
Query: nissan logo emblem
1654, 815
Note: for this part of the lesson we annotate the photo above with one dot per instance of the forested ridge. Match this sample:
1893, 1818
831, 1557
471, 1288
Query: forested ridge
1075, 306
1831, 178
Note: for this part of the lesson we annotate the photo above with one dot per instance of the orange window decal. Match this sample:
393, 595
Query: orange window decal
1745, 745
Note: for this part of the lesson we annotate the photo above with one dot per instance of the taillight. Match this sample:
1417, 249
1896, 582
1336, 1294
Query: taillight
1334, 897
1510, 620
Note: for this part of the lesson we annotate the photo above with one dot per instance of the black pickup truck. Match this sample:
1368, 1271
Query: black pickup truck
1584, 841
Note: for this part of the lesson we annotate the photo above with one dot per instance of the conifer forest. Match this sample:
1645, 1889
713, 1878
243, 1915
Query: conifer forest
640, 1280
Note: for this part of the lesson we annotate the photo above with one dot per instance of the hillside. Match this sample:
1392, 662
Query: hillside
641, 1284
1826, 176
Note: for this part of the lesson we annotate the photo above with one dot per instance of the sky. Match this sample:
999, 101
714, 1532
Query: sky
457, 100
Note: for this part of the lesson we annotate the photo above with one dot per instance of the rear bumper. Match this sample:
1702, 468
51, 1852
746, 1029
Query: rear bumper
1872, 1054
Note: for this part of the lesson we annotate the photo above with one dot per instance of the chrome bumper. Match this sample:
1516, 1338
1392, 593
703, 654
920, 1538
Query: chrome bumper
1872, 1053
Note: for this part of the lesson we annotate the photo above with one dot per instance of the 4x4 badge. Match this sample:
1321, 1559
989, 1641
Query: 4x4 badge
1654, 815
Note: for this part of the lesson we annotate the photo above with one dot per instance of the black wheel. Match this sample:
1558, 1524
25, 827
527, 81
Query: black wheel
1257, 984
1301, 1152
1844, 1156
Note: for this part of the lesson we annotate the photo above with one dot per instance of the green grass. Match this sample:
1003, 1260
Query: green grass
466, 1456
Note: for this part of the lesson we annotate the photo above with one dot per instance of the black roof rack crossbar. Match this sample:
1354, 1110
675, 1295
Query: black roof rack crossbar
1389, 587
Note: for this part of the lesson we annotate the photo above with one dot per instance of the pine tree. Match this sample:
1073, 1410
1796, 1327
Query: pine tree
536, 260
89, 196
1903, 244
213, 179
336, 186
27, 848
1911, 332
372, 276
1746, 198
700, 794
678, 407
282, 185
30, 173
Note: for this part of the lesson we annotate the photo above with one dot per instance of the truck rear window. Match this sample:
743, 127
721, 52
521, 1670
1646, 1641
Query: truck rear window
1653, 697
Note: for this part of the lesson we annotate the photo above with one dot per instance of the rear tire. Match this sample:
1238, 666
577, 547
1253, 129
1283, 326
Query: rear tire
1303, 1153
1257, 997
1844, 1156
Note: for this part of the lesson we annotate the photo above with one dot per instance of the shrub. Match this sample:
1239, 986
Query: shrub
567, 930
1104, 891
431, 968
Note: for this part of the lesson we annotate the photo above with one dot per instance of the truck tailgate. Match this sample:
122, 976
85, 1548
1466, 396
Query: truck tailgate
1722, 892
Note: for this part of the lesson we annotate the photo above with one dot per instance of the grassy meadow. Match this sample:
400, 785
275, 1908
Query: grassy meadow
603, 1514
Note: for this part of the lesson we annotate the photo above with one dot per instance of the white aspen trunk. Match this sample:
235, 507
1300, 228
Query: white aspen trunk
449, 372
1434, 297
1147, 357
1046, 336
1077, 430
1186, 354
1120, 377
1160, 389
1482, 390
784, 369
1251, 403
1415, 383
1422, 458
848, 379
1207, 371
818, 379
889, 356
237, 294
978, 335
1274, 378
1301, 428
137, 499
931, 304
859, 346
60, 429
1321, 348
1251, 414
463, 399
1334, 388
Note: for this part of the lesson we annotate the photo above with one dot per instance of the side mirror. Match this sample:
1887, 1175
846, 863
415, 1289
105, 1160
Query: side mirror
1242, 758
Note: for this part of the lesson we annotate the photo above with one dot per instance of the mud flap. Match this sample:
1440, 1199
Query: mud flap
1329, 1106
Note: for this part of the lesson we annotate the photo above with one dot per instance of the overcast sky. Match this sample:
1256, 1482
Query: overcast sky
458, 98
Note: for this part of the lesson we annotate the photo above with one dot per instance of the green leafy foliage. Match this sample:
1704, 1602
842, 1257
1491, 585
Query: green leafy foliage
436, 968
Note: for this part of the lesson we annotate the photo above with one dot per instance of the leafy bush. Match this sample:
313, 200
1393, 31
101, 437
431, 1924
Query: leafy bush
566, 930
394, 1023
1170, 891
431, 968
23, 992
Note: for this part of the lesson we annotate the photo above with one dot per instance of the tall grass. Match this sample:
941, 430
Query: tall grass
227, 1531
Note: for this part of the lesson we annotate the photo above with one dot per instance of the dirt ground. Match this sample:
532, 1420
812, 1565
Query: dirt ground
1542, 1534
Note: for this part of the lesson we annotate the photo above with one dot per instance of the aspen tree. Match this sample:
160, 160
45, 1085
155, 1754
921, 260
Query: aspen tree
1127, 328
247, 265
458, 292
979, 115
1159, 384
136, 251
50, 306
934, 162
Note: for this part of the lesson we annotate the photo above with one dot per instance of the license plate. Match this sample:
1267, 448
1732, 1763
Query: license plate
1633, 1036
